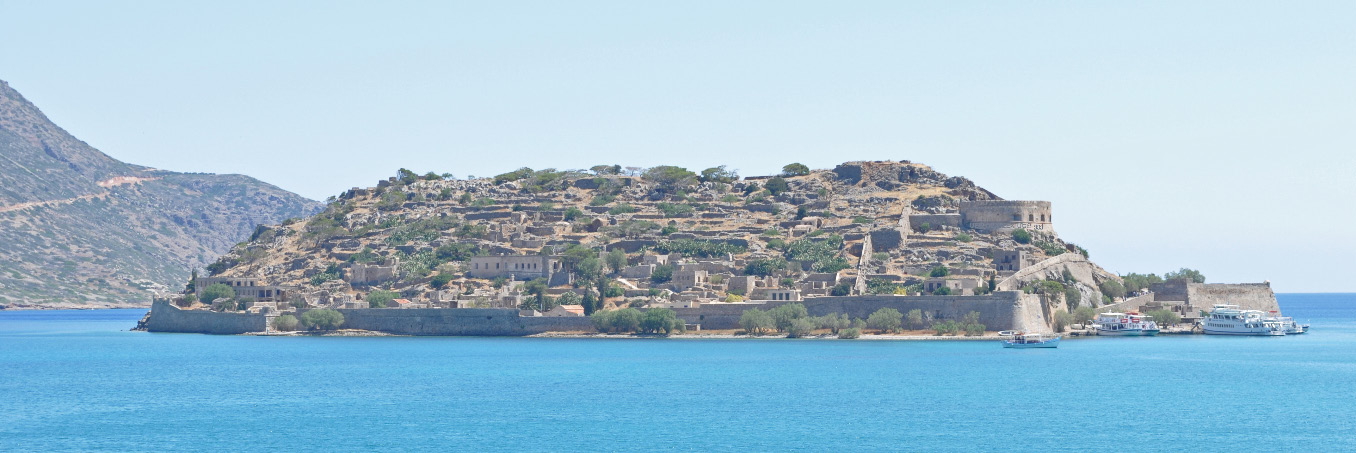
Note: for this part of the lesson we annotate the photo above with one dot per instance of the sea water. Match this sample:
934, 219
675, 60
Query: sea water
78, 380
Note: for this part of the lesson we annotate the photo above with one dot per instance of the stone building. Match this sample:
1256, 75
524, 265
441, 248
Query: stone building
524, 267
1007, 215
962, 286
1011, 260
367, 274
245, 288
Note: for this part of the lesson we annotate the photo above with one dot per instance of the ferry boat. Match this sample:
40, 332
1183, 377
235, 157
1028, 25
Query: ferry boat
1125, 324
1020, 340
1227, 319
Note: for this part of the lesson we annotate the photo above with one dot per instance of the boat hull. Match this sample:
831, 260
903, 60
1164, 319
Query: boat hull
1051, 343
1263, 333
1127, 333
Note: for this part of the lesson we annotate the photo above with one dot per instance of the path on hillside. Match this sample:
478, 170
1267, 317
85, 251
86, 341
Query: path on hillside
107, 183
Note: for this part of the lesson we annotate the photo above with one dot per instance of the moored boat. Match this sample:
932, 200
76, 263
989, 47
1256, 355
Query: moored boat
1225, 319
1020, 340
1291, 327
1125, 324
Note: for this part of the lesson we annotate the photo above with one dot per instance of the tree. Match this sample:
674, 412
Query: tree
885, 320
657, 320
939, 271
849, 333
1164, 317
1112, 289
536, 288
625, 320
782, 315
286, 323
589, 268
942, 291
217, 291
764, 267
1021, 236
718, 174
841, 289
226, 304
605, 169
1190, 274
662, 274
1072, 297
570, 298
756, 322
380, 298
776, 185
406, 176
1139, 282
668, 178
322, 319
1062, 320
915, 318
800, 328
591, 303
441, 280
795, 169
1084, 315
616, 259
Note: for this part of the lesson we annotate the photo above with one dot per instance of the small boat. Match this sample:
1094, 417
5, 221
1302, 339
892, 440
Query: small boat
1291, 327
1021, 340
1125, 325
1227, 319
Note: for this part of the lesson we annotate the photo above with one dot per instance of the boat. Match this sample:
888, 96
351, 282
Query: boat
1291, 327
1020, 340
1125, 324
1225, 319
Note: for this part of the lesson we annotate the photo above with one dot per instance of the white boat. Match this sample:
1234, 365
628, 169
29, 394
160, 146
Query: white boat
1291, 327
1125, 324
1230, 320
1020, 340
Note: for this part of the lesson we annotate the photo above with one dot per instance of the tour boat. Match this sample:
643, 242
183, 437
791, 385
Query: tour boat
1291, 327
1125, 324
1030, 340
1227, 319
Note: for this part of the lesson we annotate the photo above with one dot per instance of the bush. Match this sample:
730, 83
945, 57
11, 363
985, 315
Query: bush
1051, 248
776, 186
841, 289
849, 333
286, 323
974, 329
662, 274
1189, 274
946, 327
675, 210
616, 321
1164, 317
924, 228
668, 178
379, 298
322, 319
1072, 297
217, 291
622, 208
1021, 236
915, 318
660, 320
697, 248
939, 271
764, 267
756, 322
942, 291
885, 320
1112, 289
440, 280
1062, 320
964, 237
800, 328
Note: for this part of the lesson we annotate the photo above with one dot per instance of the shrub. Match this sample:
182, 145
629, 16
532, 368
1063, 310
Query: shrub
440, 280
942, 291
795, 169
1084, 315
849, 333
1062, 320
623, 320
925, 227
729, 198
834, 322
939, 271
286, 323
217, 291
946, 327
974, 329
861, 219
1189, 274
697, 248
622, 208
964, 237
783, 315
776, 186
756, 322
675, 210
322, 319
800, 328
1072, 297
764, 267
885, 320
915, 318
380, 298
841, 289
662, 274
657, 320
1112, 289
1051, 248
1021, 236
668, 178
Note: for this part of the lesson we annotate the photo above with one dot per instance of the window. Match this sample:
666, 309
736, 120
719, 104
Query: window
1030, 217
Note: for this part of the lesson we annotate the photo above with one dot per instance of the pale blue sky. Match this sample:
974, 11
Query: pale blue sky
1215, 135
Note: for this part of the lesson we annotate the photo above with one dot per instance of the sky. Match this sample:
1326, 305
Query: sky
1212, 135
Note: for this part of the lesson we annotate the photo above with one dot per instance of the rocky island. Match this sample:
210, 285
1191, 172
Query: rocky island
883, 245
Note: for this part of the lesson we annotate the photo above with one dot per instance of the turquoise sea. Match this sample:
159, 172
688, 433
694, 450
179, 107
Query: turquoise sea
79, 381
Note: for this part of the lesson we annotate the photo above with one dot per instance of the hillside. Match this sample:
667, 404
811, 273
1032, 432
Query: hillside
665, 236
79, 228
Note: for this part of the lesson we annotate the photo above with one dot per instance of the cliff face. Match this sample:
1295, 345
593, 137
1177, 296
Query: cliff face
79, 228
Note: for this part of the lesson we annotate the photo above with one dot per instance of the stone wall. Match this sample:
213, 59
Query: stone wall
165, 317
1009, 310
459, 322
1002, 215
934, 221
1248, 296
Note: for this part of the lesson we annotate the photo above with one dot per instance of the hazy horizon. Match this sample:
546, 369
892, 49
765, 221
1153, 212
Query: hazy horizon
1210, 135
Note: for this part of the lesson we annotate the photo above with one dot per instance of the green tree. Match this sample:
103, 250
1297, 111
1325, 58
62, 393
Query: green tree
939, 271
660, 320
1164, 317
662, 274
849, 333
441, 280
764, 267
1084, 315
795, 169
841, 289
718, 174
942, 291
570, 298
537, 289
217, 291
756, 322
1185, 273
1112, 289
782, 315
626, 320
616, 260
915, 318
1021, 236
322, 319
1139, 282
777, 185
589, 268
800, 328
591, 303
380, 298
885, 320
1072, 297
668, 178
286, 323
1062, 320
227, 305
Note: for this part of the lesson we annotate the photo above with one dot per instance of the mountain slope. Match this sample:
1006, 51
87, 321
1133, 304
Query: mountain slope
78, 227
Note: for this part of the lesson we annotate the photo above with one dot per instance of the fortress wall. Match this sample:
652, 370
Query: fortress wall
996, 215
165, 317
1000, 311
1248, 296
459, 322
935, 220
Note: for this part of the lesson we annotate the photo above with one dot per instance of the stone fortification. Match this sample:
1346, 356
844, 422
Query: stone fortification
1202, 296
459, 322
165, 317
1006, 215
1008, 310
